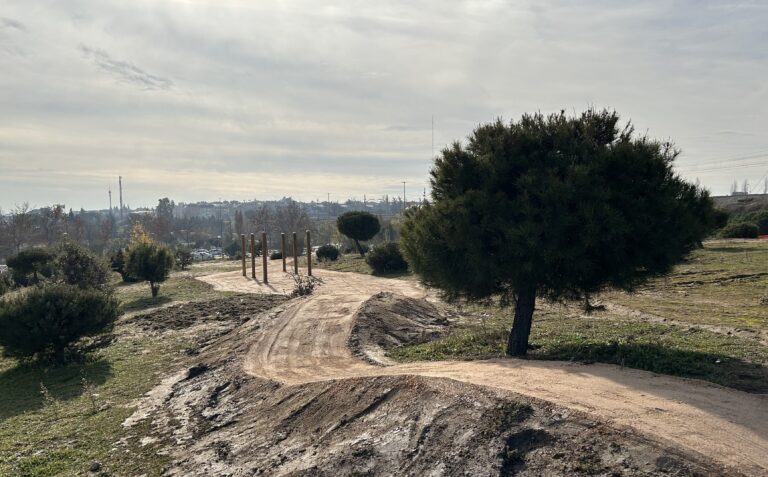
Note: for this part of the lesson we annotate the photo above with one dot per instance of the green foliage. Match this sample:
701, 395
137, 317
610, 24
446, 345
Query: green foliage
184, 257
275, 256
75, 265
233, 250
117, 262
556, 206
30, 264
759, 218
386, 258
740, 230
46, 320
358, 226
149, 261
720, 218
6, 283
327, 253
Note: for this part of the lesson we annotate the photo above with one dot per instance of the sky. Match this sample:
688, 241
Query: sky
235, 99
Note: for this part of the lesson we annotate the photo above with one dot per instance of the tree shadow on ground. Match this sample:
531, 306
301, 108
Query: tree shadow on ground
725, 371
144, 303
735, 249
20, 386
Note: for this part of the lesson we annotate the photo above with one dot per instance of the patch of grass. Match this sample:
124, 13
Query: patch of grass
558, 335
180, 286
719, 285
64, 434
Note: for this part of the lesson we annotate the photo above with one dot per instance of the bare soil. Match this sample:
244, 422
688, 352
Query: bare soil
218, 420
388, 320
283, 394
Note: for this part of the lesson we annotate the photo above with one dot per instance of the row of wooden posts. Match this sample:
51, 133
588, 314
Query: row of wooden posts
282, 252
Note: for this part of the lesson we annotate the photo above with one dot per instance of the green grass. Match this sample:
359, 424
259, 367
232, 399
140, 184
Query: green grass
720, 285
560, 333
180, 286
64, 436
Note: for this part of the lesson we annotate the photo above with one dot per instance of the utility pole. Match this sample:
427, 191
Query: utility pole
110, 200
433, 136
403, 196
120, 184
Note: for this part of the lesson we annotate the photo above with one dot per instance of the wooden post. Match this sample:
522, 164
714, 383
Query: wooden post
253, 256
242, 243
309, 256
264, 254
282, 248
295, 255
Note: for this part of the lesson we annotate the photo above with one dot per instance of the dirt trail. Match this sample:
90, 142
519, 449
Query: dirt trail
308, 343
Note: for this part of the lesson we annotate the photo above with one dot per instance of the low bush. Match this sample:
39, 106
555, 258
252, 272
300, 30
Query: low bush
327, 253
183, 258
275, 256
46, 320
77, 266
386, 258
739, 230
30, 265
303, 284
759, 218
149, 261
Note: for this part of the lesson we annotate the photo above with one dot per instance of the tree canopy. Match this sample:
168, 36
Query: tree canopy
554, 206
358, 226
148, 260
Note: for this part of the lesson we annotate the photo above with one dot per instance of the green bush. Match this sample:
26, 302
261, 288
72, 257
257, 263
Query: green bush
759, 218
149, 261
275, 256
739, 230
183, 258
327, 253
386, 258
75, 265
30, 264
46, 320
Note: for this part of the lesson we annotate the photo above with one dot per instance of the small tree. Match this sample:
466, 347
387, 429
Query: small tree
358, 226
555, 206
327, 253
46, 320
184, 257
77, 266
117, 263
150, 261
32, 261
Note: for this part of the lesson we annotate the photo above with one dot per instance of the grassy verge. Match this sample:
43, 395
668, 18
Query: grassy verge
65, 433
561, 334
723, 284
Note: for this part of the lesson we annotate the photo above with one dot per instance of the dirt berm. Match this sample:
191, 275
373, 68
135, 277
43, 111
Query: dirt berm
214, 419
388, 320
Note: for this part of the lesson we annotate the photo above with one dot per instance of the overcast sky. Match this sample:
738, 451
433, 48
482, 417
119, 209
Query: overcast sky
201, 99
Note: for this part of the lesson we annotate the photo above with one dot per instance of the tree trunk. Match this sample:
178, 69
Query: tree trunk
517, 345
155, 289
359, 248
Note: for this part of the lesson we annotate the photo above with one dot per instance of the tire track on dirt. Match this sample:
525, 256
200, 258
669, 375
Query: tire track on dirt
308, 343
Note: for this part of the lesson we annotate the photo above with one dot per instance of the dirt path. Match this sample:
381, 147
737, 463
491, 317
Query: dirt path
308, 343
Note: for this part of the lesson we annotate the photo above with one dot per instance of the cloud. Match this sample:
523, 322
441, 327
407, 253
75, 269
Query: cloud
124, 71
11, 24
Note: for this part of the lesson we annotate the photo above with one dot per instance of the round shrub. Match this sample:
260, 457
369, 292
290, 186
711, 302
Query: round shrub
358, 226
28, 265
75, 265
386, 258
275, 256
327, 253
739, 230
149, 261
46, 320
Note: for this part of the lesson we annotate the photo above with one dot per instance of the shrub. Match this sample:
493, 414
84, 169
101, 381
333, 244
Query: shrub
358, 226
47, 320
32, 261
759, 218
739, 230
386, 258
183, 257
149, 261
327, 253
6, 283
304, 284
77, 266
117, 262
275, 256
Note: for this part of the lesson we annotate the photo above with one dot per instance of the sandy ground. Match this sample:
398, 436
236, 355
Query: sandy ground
307, 343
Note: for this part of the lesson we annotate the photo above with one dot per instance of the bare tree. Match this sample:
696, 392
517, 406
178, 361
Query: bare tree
20, 225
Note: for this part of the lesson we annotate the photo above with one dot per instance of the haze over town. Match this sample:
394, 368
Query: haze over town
197, 100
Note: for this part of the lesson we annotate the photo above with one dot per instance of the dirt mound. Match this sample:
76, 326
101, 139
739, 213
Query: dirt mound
212, 418
388, 320
237, 309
